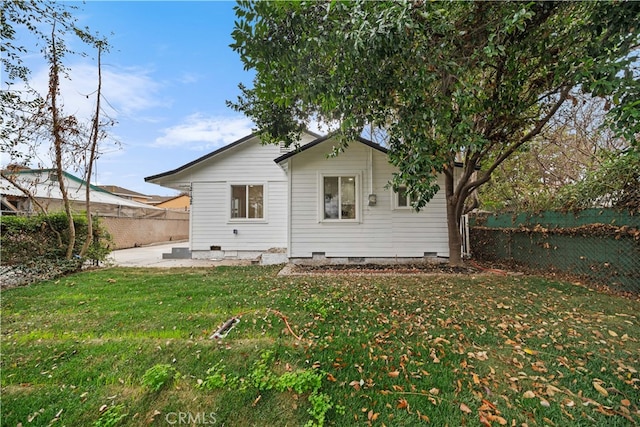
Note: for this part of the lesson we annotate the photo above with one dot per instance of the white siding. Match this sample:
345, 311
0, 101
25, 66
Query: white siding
247, 163
381, 232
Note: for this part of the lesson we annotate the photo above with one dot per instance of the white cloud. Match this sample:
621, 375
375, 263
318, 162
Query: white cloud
189, 78
126, 91
200, 132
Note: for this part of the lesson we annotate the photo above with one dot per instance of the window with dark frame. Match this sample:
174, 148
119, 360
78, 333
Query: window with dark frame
339, 193
403, 200
247, 201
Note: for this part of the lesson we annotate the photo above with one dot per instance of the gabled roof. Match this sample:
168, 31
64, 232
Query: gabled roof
364, 141
201, 159
121, 191
323, 139
210, 155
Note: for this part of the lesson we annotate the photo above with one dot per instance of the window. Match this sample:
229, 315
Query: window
339, 197
403, 200
247, 202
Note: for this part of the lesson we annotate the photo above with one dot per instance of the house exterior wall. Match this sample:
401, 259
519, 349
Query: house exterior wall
382, 231
211, 222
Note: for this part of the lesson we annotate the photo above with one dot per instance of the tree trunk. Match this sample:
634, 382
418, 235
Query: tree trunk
455, 239
453, 220
57, 129
95, 130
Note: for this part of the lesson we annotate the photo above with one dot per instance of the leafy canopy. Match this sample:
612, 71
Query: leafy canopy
471, 81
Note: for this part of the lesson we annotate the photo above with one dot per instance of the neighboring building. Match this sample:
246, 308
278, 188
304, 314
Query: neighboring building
42, 184
175, 203
130, 223
126, 194
181, 202
249, 199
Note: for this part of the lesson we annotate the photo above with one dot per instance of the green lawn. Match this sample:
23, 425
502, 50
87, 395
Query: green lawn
131, 347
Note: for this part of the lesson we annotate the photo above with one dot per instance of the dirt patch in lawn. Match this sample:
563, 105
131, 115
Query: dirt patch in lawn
378, 269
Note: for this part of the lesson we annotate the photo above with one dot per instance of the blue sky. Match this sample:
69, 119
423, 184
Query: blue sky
166, 81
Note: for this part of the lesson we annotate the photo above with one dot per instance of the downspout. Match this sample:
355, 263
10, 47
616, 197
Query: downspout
370, 170
289, 205
191, 217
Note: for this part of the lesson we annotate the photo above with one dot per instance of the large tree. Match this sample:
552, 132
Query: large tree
469, 82
30, 118
574, 145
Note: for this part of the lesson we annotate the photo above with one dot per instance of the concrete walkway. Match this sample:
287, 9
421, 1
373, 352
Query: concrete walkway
151, 256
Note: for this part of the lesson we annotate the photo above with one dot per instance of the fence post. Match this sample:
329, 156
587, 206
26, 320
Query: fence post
464, 232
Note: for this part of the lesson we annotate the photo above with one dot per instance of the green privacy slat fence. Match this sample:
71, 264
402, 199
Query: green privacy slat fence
601, 245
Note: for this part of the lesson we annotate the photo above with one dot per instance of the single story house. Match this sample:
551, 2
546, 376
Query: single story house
250, 199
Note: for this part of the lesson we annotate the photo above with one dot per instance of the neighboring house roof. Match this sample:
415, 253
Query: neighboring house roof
47, 189
210, 155
123, 192
155, 199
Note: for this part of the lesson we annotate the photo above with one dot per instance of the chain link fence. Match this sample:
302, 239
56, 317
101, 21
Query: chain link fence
599, 245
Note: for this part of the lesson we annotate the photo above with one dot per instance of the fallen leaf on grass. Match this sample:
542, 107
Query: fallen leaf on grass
402, 404
356, 384
476, 379
500, 420
464, 408
552, 390
600, 389
255, 402
528, 394
394, 374
422, 417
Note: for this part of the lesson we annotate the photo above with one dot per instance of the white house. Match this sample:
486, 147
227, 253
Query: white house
249, 199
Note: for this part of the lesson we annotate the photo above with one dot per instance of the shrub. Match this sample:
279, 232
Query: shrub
34, 248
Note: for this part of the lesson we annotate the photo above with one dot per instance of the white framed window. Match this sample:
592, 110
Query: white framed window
340, 197
402, 200
247, 202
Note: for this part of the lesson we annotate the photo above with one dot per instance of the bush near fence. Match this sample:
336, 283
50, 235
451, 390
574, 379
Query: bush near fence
599, 245
34, 248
